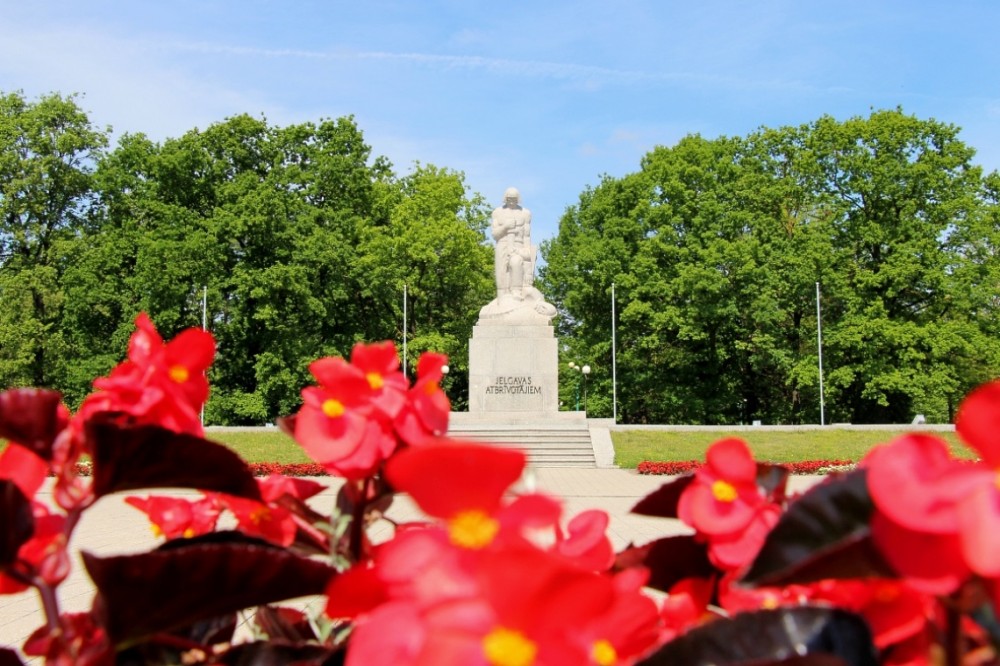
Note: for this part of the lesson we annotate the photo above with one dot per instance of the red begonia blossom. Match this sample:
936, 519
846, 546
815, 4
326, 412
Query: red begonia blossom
176, 517
424, 416
77, 641
629, 627
586, 541
726, 507
337, 425
918, 486
160, 383
526, 608
23, 468
686, 607
44, 555
724, 496
460, 483
275, 486
270, 522
380, 364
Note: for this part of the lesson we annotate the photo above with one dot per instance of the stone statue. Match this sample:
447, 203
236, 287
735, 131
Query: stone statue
517, 299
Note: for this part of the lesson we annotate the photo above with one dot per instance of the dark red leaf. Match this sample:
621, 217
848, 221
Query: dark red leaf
17, 524
768, 638
280, 654
669, 560
149, 593
662, 502
30, 417
284, 624
138, 457
9, 657
823, 534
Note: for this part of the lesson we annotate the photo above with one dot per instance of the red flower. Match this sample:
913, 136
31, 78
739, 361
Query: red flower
686, 606
380, 365
462, 484
525, 607
337, 425
161, 384
725, 506
273, 523
919, 488
724, 497
424, 416
78, 641
174, 517
276, 486
44, 554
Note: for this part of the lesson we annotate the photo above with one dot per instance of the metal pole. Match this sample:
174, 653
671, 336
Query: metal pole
204, 327
614, 358
404, 330
819, 345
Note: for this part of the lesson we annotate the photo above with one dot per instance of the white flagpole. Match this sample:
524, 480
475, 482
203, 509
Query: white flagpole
614, 357
204, 327
819, 345
404, 329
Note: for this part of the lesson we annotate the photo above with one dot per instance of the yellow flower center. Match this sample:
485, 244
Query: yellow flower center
505, 647
724, 491
333, 408
178, 373
472, 529
603, 653
430, 388
188, 533
156, 529
374, 380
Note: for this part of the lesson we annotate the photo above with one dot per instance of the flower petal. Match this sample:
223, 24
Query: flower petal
978, 422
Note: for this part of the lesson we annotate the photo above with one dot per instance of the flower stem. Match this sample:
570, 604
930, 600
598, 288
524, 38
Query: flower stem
952, 636
358, 521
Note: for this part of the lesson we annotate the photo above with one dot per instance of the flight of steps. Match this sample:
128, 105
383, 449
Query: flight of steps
561, 441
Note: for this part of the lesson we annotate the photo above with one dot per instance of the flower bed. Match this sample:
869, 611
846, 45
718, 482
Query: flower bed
800, 467
667, 468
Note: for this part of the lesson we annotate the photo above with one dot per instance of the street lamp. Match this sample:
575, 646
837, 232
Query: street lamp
584, 371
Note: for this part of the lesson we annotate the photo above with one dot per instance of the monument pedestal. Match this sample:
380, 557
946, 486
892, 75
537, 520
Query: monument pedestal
513, 368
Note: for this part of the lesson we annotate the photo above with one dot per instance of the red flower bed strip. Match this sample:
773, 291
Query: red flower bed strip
685, 466
645, 467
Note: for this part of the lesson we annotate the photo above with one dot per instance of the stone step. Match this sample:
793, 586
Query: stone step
547, 444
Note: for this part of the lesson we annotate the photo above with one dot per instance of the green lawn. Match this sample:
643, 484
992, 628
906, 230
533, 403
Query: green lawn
634, 446
269, 445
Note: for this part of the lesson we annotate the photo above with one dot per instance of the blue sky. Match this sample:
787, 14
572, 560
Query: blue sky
544, 96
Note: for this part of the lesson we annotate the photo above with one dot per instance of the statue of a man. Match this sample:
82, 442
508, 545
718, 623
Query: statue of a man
517, 301
514, 261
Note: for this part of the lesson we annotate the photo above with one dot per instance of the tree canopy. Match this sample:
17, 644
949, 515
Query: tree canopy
715, 248
300, 239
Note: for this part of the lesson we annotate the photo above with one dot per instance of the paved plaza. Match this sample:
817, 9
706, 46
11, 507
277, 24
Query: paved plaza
111, 527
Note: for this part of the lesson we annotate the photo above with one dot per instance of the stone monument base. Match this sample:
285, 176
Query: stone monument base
513, 368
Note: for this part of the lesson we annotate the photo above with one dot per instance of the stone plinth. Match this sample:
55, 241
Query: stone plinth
513, 368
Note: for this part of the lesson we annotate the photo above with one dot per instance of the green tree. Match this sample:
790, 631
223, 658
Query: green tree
47, 151
435, 244
716, 246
